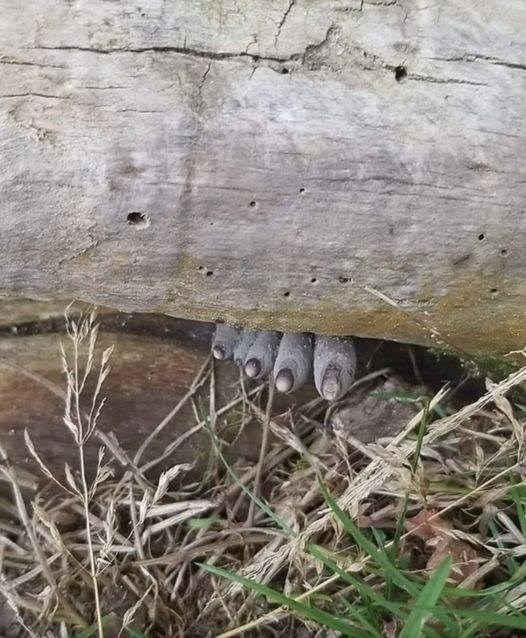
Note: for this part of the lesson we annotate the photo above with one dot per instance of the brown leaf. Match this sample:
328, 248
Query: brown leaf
439, 535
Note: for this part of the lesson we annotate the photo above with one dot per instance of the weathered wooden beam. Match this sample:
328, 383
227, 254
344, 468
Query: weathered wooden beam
343, 167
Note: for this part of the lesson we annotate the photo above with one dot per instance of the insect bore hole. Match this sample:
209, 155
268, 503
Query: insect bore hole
400, 73
138, 220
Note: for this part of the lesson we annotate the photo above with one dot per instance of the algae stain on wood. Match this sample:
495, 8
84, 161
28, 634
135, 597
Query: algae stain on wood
495, 323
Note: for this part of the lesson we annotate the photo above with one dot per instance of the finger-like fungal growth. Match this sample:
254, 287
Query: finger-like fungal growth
242, 347
334, 366
293, 363
253, 367
260, 357
225, 340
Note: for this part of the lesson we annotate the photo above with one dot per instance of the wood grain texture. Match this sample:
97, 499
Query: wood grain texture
347, 167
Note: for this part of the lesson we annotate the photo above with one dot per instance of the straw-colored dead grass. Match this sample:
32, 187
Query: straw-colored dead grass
116, 551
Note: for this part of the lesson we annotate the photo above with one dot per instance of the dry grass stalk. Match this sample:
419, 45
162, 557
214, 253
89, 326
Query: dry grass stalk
128, 546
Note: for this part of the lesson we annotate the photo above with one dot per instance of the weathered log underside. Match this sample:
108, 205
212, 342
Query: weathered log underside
348, 167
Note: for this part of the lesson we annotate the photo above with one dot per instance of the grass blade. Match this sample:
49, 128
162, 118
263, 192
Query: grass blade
258, 501
515, 493
354, 613
488, 619
312, 613
92, 629
426, 601
424, 421
369, 547
133, 632
366, 592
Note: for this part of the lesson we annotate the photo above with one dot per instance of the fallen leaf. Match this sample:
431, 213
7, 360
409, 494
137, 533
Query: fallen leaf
439, 536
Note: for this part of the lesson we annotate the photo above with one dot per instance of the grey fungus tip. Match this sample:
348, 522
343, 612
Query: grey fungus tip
218, 352
331, 383
253, 368
260, 358
334, 366
290, 359
294, 362
244, 344
284, 380
224, 341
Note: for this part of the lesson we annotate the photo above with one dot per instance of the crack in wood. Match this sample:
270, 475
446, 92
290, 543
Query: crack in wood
197, 53
30, 94
35, 64
478, 57
434, 80
283, 20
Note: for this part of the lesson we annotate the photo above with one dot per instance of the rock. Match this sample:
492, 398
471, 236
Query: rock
369, 414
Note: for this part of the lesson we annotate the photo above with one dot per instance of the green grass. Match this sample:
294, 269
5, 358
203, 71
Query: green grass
329, 540
92, 630
419, 605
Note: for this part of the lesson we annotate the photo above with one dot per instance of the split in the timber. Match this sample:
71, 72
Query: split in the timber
290, 358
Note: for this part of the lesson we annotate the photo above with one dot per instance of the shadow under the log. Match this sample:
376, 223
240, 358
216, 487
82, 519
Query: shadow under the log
155, 360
